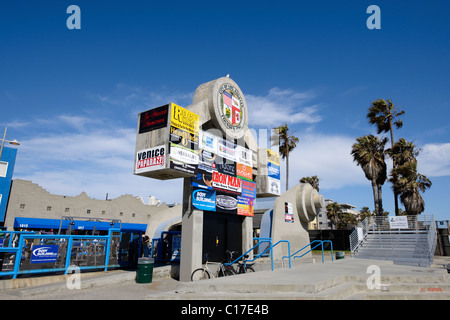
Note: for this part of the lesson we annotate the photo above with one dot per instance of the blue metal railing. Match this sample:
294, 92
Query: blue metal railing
97, 249
259, 255
320, 243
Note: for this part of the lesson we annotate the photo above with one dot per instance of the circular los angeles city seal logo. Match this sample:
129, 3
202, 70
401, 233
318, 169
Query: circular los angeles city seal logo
231, 107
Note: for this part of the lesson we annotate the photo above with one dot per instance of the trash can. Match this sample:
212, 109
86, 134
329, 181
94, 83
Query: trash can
340, 255
145, 270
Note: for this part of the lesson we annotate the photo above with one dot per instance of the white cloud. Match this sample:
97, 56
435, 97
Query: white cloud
282, 106
327, 157
434, 161
98, 161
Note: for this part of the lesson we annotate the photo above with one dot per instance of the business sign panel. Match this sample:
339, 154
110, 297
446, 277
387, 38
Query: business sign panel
150, 159
153, 119
208, 141
226, 149
225, 182
203, 179
226, 203
184, 119
227, 167
288, 212
244, 156
244, 171
183, 159
204, 199
208, 160
183, 138
245, 206
44, 253
273, 171
248, 189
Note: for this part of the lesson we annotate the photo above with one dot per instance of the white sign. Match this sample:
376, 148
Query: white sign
244, 156
150, 159
208, 141
399, 222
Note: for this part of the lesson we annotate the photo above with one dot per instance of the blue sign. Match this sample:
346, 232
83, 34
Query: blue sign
44, 253
204, 199
248, 189
273, 170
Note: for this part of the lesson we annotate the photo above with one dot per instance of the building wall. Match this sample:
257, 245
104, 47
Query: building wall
28, 199
8, 159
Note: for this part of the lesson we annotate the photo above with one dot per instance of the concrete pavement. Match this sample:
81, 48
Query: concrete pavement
341, 279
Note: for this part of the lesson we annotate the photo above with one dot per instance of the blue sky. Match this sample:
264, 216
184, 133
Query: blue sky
71, 97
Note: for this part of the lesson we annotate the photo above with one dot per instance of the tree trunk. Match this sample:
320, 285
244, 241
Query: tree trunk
287, 171
375, 197
380, 201
393, 166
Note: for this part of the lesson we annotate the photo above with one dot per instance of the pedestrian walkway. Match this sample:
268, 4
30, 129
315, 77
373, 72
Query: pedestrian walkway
342, 279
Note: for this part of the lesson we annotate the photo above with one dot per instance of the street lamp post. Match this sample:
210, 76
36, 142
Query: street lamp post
13, 142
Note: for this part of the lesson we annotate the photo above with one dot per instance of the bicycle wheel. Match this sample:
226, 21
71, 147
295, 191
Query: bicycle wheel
226, 271
200, 274
249, 269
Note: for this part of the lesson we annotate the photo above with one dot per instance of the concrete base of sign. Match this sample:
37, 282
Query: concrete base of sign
292, 212
192, 235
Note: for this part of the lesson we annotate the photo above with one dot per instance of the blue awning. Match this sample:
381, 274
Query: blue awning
37, 223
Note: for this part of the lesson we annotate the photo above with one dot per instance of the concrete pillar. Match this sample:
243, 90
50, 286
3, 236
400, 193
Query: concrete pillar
191, 235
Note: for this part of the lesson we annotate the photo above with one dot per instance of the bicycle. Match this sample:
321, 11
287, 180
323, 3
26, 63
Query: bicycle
243, 267
205, 273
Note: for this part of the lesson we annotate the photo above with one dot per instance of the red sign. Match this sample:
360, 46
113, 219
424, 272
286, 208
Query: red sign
225, 182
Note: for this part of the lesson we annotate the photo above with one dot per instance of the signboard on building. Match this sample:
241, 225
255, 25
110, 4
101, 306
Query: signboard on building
153, 119
44, 253
288, 212
150, 159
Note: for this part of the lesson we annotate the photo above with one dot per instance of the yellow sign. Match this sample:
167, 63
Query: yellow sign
273, 157
184, 119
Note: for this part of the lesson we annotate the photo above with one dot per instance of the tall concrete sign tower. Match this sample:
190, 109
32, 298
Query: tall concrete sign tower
210, 146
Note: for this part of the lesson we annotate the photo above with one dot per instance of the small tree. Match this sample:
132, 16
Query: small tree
287, 143
313, 181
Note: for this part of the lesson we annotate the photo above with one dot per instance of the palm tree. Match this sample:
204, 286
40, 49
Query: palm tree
333, 211
313, 181
287, 143
409, 185
384, 114
407, 182
368, 153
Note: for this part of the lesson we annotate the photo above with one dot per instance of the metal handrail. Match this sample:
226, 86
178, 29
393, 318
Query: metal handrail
271, 246
320, 243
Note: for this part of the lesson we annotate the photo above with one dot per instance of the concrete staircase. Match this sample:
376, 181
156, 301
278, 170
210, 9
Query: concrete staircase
402, 248
342, 280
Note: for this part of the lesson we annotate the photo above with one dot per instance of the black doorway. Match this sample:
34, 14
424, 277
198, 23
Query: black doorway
221, 232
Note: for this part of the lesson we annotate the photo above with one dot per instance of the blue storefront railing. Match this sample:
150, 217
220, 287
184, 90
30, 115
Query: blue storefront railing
32, 253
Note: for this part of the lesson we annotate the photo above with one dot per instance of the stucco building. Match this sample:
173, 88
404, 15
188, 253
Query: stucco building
30, 204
